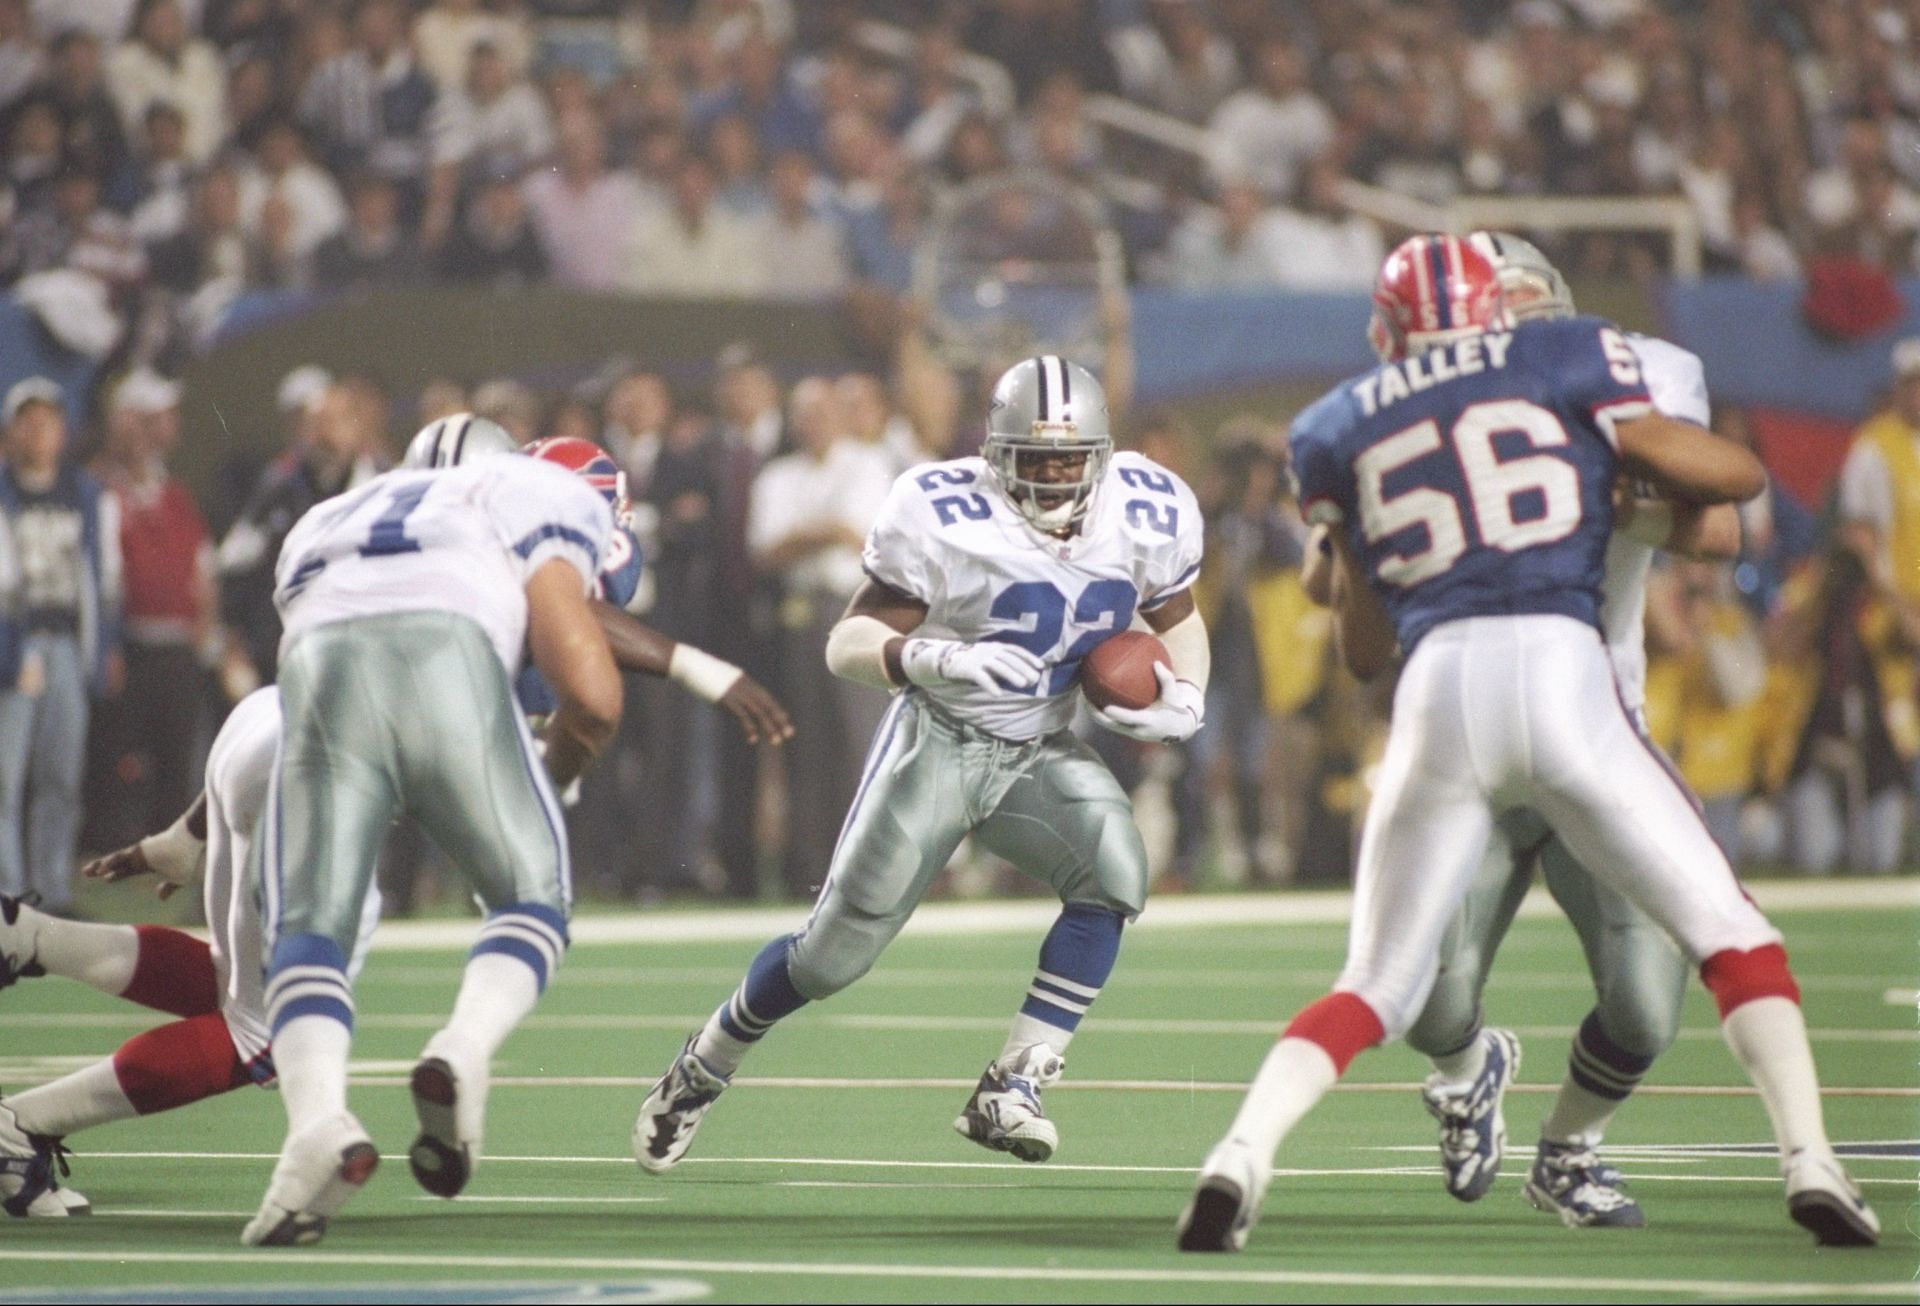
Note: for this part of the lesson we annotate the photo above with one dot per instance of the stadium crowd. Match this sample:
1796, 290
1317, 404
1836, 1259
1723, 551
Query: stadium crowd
163, 157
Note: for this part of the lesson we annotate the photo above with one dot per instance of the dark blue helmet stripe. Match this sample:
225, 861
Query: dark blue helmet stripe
1437, 268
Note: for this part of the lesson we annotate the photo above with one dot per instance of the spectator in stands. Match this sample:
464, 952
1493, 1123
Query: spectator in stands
937, 99
371, 103
1266, 133
1033, 39
759, 89
146, 738
158, 194
804, 248
495, 240
448, 31
92, 112
163, 62
325, 455
33, 155
213, 246
806, 526
253, 99
735, 153
692, 247
490, 118
1224, 247
872, 419
1321, 243
77, 233
288, 204
66, 536
511, 404
975, 150
373, 248
22, 56
639, 411
583, 212
860, 158
1175, 60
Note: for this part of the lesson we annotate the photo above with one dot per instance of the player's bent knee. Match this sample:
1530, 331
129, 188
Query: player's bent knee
1640, 1021
821, 963
1736, 977
1447, 1023
1116, 878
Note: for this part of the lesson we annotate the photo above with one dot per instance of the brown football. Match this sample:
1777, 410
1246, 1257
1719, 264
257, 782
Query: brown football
1119, 671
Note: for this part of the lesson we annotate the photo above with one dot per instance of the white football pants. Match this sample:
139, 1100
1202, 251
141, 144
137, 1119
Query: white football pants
1494, 713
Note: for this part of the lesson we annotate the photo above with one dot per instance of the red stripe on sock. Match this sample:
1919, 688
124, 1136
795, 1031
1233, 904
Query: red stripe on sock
1736, 978
1342, 1024
173, 973
179, 1063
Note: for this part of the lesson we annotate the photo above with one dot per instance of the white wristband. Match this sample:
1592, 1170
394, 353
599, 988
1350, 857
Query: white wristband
701, 673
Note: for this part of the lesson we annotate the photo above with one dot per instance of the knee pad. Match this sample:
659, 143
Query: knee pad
1116, 878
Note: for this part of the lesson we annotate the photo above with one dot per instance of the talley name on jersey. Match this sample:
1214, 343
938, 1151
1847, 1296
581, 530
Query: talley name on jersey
1477, 479
948, 537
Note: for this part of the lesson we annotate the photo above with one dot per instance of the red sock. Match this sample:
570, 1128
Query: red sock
173, 973
1342, 1024
179, 1063
1736, 978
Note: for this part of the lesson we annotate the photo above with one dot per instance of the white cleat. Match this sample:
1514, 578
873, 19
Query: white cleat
1227, 1201
450, 1101
30, 1165
1004, 1114
673, 1111
320, 1168
1822, 1199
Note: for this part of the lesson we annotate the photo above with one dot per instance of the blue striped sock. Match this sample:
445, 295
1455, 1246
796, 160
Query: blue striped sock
1601, 1066
1075, 960
307, 976
765, 996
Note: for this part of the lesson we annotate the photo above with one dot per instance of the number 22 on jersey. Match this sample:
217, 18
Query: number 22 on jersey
1496, 491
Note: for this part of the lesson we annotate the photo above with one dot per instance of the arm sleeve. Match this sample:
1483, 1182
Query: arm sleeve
1676, 379
1322, 481
543, 512
897, 553
1176, 567
1598, 371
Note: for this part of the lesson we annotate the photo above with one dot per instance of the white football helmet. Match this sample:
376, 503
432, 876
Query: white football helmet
1045, 407
1529, 282
457, 440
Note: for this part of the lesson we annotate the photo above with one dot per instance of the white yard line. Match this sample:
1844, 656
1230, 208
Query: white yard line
1274, 1235
946, 919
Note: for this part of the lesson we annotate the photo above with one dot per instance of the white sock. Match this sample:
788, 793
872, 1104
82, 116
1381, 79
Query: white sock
81, 1100
99, 956
1295, 1075
1464, 1066
1027, 1031
310, 1056
719, 1049
1579, 1118
1769, 1037
496, 994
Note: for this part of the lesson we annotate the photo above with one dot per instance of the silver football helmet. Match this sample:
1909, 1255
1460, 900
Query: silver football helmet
1043, 408
1529, 282
457, 440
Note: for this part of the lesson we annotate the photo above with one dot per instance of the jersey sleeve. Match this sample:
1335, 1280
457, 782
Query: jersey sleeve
1176, 565
543, 512
1596, 369
1322, 478
898, 552
1676, 379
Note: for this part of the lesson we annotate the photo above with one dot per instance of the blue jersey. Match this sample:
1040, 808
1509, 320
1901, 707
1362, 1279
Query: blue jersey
1476, 479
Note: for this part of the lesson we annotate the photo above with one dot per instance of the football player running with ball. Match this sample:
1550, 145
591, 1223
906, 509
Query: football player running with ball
990, 580
1469, 479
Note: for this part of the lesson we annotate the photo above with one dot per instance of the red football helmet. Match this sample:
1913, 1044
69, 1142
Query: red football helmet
593, 464
1431, 289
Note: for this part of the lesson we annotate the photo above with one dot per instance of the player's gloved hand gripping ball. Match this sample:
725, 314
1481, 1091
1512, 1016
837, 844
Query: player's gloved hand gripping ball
1131, 687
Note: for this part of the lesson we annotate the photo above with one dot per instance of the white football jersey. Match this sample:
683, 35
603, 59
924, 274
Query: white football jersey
948, 537
1677, 382
464, 540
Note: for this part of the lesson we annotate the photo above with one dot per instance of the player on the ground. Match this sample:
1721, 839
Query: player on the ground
990, 579
1640, 976
221, 1042
1471, 477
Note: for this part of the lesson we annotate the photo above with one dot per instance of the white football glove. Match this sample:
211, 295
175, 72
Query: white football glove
1177, 714
992, 666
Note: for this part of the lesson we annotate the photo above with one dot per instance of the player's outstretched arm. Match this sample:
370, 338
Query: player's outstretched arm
177, 855
571, 651
871, 645
637, 646
1689, 462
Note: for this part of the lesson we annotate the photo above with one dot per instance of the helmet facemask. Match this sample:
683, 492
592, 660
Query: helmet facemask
1023, 471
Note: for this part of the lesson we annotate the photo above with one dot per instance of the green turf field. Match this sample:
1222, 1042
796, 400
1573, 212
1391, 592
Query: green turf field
830, 1170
